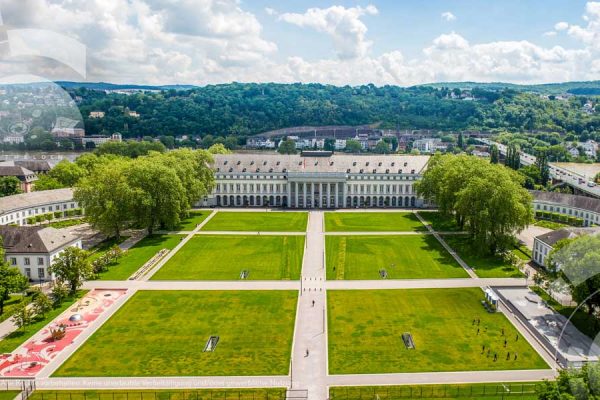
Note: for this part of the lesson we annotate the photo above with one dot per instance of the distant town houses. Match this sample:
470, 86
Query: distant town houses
429, 145
588, 149
97, 114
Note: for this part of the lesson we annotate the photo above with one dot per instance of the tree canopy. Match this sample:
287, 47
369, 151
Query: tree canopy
487, 199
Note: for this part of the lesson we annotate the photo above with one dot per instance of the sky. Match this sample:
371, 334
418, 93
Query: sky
344, 42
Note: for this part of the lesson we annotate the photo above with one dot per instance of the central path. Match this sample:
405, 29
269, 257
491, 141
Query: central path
309, 356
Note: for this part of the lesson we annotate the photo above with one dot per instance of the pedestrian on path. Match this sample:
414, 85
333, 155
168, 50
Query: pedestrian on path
313, 303
306, 355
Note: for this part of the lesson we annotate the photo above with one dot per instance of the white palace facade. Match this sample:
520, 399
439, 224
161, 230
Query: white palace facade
316, 180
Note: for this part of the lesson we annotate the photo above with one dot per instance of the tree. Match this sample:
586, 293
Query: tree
573, 384
542, 164
46, 182
382, 148
329, 144
218, 148
67, 173
72, 267
353, 146
59, 293
11, 280
494, 154
486, 198
513, 157
579, 262
21, 316
107, 197
461, 141
287, 146
9, 185
42, 304
167, 141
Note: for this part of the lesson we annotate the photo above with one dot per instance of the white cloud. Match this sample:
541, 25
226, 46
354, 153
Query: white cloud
342, 24
589, 34
448, 16
549, 33
270, 11
561, 26
213, 41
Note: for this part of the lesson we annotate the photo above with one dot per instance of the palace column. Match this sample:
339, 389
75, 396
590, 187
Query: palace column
336, 195
289, 194
344, 194
295, 194
320, 194
328, 195
304, 191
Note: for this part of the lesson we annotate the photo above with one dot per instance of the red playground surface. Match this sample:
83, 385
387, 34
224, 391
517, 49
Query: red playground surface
32, 356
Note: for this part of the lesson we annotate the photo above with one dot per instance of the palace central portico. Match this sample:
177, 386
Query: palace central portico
316, 180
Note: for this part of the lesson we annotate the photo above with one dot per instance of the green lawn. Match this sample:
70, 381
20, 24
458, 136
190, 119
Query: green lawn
372, 222
163, 333
223, 257
365, 333
554, 225
194, 218
272, 221
439, 222
16, 338
488, 391
485, 266
98, 250
8, 394
174, 394
136, 256
412, 256
11, 305
588, 324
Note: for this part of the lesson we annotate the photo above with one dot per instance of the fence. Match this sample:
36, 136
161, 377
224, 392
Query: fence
202, 394
478, 391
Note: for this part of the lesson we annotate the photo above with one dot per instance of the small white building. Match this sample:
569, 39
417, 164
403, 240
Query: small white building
32, 249
544, 244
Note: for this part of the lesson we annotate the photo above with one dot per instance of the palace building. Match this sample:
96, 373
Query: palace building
316, 179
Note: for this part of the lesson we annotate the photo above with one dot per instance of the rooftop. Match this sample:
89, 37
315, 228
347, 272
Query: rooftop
20, 172
34, 239
340, 163
33, 199
551, 238
571, 200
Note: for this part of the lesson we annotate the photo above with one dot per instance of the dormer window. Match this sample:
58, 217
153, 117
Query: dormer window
379, 164
218, 169
238, 163
330, 163
354, 164
225, 163
361, 171
230, 169
278, 162
374, 170
244, 170
412, 171
367, 164
348, 171
399, 171
284, 170
252, 162
270, 169
316, 163
257, 169
264, 163
405, 164
300, 163
393, 163
387, 171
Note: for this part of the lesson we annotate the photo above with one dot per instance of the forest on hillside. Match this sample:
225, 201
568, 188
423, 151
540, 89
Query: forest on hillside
248, 109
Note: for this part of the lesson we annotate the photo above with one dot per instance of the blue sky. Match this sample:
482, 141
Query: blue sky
339, 42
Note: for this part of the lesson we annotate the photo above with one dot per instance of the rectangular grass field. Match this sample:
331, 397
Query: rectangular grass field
438, 222
163, 333
194, 218
223, 257
372, 222
275, 221
365, 333
137, 256
485, 266
159, 394
402, 256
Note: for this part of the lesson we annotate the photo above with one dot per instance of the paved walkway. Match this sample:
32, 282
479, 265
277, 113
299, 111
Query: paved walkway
395, 233
309, 355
